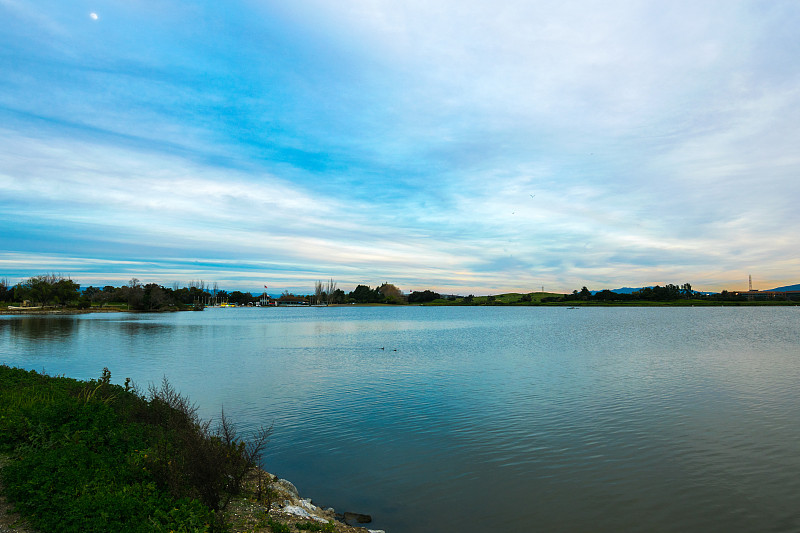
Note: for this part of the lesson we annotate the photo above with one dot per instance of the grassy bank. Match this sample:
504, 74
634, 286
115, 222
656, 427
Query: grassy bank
93, 456
550, 299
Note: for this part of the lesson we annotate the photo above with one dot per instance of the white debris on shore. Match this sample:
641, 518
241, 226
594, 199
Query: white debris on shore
289, 502
305, 509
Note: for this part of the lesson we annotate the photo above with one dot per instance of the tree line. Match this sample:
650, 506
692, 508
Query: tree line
45, 289
57, 290
386, 293
328, 293
668, 292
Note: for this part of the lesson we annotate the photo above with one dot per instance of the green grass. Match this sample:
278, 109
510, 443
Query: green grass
275, 526
92, 456
512, 298
536, 298
676, 303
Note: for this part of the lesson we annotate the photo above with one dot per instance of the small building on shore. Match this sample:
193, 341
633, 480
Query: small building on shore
769, 295
291, 300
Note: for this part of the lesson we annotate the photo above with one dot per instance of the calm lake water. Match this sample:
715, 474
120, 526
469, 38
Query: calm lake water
475, 419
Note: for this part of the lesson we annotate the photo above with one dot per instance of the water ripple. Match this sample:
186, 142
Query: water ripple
485, 419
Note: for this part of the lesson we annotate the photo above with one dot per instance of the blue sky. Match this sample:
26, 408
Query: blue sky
463, 146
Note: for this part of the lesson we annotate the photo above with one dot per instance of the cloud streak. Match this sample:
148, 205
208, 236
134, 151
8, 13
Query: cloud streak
464, 147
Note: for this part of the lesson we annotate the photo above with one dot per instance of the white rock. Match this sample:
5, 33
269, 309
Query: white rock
305, 510
306, 504
296, 511
287, 487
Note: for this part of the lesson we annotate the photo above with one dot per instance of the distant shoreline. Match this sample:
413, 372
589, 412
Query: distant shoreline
565, 305
34, 311
64, 311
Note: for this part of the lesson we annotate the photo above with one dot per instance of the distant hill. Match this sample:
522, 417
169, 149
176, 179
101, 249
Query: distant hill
786, 288
623, 290
631, 290
627, 290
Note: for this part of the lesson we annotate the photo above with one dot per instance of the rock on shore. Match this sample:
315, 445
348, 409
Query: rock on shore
286, 504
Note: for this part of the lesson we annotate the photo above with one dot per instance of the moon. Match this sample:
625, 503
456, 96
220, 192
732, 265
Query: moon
93, 16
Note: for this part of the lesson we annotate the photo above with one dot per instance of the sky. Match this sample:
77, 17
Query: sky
461, 146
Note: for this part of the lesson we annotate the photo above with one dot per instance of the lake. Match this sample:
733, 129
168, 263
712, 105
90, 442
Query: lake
475, 419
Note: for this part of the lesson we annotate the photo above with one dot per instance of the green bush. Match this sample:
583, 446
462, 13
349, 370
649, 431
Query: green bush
92, 456
277, 527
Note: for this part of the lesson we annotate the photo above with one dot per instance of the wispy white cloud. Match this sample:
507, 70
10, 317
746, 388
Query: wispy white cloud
28, 13
463, 145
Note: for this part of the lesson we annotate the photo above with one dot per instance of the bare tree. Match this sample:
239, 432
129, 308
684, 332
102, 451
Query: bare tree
330, 289
318, 292
5, 289
200, 285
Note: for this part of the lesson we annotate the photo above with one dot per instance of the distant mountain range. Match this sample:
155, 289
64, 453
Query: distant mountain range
625, 290
786, 288
631, 290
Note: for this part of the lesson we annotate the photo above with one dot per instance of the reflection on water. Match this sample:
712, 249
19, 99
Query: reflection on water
485, 419
40, 328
